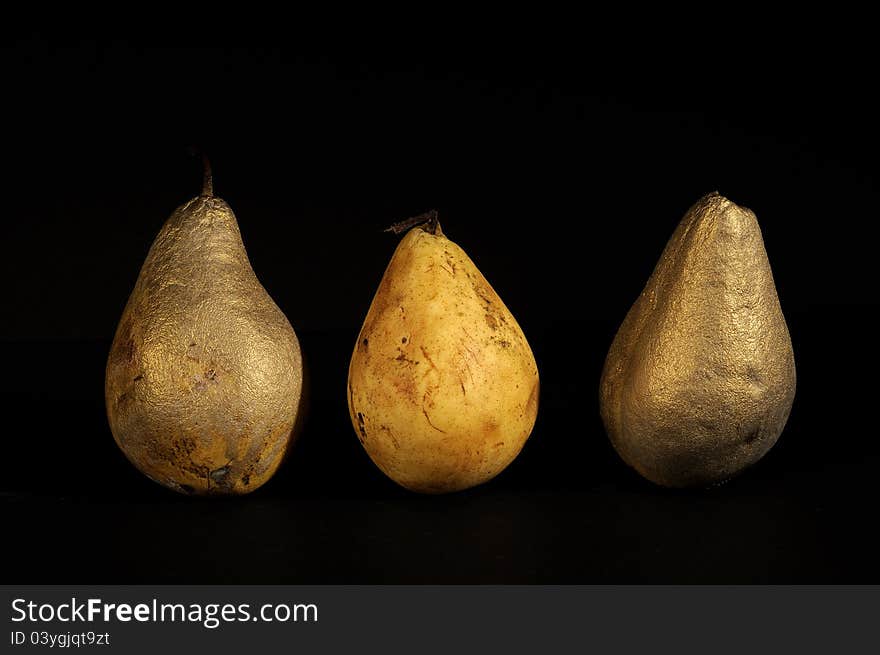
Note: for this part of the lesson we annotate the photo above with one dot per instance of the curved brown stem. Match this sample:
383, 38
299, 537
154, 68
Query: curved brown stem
430, 221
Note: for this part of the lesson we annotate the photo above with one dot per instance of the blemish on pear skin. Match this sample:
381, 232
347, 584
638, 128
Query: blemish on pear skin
219, 474
401, 357
391, 436
131, 350
429, 360
361, 428
533, 394
428, 418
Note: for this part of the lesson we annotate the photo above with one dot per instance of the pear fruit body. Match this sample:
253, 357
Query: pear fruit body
442, 385
204, 379
700, 379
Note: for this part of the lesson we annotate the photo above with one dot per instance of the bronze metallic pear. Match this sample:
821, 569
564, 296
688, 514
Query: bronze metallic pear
442, 385
204, 380
700, 379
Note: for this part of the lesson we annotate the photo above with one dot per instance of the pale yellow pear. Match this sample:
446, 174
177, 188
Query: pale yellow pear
204, 379
442, 386
700, 379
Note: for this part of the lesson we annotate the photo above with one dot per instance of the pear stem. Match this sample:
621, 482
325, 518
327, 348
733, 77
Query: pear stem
429, 219
208, 183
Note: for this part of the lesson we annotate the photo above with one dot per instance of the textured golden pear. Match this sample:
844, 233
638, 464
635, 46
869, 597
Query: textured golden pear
442, 385
204, 379
700, 379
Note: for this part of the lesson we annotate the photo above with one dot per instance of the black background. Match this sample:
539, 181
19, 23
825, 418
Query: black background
561, 162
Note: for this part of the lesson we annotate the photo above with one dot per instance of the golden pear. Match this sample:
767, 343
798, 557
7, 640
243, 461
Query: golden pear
204, 379
700, 379
442, 385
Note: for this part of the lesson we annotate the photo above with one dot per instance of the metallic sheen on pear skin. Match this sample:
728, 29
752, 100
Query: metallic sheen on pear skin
700, 378
204, 379
442, 385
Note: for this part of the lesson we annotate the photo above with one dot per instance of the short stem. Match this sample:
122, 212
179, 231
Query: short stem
430, 221
208, 183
